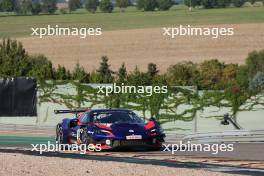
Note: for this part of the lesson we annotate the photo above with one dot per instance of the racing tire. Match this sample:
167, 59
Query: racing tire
60, 136
85, 139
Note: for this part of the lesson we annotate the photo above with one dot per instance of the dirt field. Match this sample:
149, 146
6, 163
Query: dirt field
141, 46
43, 166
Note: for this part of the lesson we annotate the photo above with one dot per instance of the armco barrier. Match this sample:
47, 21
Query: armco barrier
234, 136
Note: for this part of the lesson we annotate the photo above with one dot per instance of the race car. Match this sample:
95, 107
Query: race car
111, 128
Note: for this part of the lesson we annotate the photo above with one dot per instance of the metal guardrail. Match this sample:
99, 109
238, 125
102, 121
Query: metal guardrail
234, 136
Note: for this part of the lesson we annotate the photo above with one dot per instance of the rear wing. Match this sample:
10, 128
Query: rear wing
75, 111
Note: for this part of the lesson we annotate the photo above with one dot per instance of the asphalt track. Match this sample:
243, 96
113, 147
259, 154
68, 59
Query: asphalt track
242, 151
235, 170
252, 152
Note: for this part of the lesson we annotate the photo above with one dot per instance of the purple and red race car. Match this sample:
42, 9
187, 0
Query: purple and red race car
111, 128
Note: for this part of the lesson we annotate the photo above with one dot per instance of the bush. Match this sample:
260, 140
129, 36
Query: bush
7, 5
182, 74
258, 4
140, 4
255, 62
192, 3
238, 3
41, 68
147, 5
23, 7
15, 61
211, 74
64, 10
252, 1
247, 4
106, 6
49, 6
80, 74
164, 4
36, 8
223, 3
91, 5
74, 4
209, 3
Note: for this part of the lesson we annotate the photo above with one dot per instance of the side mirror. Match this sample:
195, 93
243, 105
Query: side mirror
152, 119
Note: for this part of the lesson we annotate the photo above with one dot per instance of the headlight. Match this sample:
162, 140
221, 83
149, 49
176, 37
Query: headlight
153, 130
103, 132
156, 130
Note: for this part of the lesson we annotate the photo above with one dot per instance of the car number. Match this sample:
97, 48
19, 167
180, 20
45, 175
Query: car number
134, 137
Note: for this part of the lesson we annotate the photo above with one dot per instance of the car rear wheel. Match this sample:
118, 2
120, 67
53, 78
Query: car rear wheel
84, 137
59, 135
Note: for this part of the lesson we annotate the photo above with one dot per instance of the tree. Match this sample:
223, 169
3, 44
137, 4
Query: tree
91, 5
209, 3
183, 74
23, 6
242, 77
14, 61
140, 4
255, 63
105, 71
61, 73
192, 3
152, 70
42, 68
80, 74
36, 8
138, 78
216, 3
238, 3
122, 4
49, 6
95, 77
229, 74
106, 6
74, 4
223, 3
122, 73
164, 4
211, 74
7, 5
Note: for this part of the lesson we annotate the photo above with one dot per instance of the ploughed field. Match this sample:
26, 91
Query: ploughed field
135, 37
142, 46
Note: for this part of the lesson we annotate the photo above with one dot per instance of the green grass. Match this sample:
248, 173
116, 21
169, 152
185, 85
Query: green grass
31, 138
13, 26
25, 140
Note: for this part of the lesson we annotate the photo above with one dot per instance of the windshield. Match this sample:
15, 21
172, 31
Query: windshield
110, 117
